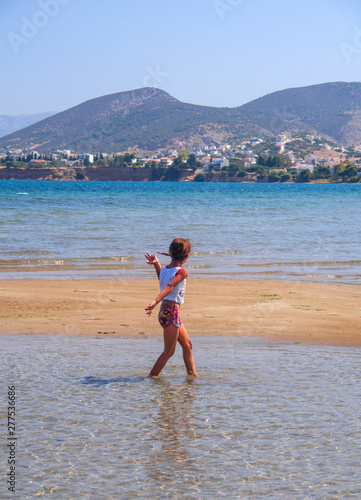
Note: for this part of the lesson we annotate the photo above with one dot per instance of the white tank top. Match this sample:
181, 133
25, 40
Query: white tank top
165, 277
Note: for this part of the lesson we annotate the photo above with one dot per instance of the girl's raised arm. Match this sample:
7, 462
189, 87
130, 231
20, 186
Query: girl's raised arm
153, 260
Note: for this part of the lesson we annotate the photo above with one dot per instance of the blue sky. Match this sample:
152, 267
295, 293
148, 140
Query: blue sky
58, 53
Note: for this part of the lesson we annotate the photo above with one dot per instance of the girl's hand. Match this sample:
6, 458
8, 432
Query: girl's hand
151, 259
150, 308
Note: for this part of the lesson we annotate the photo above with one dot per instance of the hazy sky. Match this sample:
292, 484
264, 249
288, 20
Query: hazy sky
56, 54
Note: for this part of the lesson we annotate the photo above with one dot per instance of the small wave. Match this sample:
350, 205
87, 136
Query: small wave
331, 276
22, 193
31, 262
120, 258
26, 252
226, 252
301, 264
204, 266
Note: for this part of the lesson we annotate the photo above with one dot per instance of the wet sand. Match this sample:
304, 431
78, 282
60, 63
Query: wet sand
286, 311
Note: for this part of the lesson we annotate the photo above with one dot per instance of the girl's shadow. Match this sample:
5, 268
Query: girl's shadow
90, 380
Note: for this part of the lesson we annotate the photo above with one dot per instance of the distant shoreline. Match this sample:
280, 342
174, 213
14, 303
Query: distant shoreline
127, 174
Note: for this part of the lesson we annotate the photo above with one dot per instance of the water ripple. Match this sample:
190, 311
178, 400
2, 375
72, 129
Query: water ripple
264, 420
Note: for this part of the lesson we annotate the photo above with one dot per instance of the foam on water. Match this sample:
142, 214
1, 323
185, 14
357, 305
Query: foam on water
264, 420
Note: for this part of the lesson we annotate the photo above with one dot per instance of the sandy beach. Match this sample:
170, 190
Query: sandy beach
286, 311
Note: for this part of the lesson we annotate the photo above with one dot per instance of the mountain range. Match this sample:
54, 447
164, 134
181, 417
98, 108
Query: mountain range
9, 124
151, 119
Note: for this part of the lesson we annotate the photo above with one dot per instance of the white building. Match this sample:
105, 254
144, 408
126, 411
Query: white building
304, 166
65, 161
255, 140
165, 162
225, 147
218, 163
85, 156
248, 162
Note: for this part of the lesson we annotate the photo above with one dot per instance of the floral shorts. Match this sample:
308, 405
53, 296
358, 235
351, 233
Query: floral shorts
168, 314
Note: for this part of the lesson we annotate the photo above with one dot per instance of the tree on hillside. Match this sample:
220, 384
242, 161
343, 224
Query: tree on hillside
350, 171
259, 169
127, 158
157, 172
338, 169
184, 154
286, 177
235, 166
274, 177
178, 162
173, 174
305, 175
321, 173
262, 160
278, 161
192, 162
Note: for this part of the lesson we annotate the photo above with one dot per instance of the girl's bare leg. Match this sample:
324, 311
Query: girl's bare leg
170, 336
186, 344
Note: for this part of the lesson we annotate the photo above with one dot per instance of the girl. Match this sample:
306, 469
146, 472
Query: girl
172, 281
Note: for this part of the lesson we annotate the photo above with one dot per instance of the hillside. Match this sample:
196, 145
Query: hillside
146, 118
150, 119
329, 109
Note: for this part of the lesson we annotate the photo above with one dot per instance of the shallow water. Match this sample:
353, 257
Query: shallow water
264, 420
300, 232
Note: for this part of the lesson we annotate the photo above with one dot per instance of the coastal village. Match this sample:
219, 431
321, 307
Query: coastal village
288, 157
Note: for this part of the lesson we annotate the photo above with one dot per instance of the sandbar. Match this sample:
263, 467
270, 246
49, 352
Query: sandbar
319, 313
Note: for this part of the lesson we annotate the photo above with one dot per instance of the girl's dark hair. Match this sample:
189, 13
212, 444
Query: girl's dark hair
179, 249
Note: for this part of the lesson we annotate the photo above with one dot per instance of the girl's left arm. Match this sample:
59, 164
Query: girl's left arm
181, 275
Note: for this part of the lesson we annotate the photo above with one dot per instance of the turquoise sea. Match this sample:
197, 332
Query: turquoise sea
307, 232
265, 420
